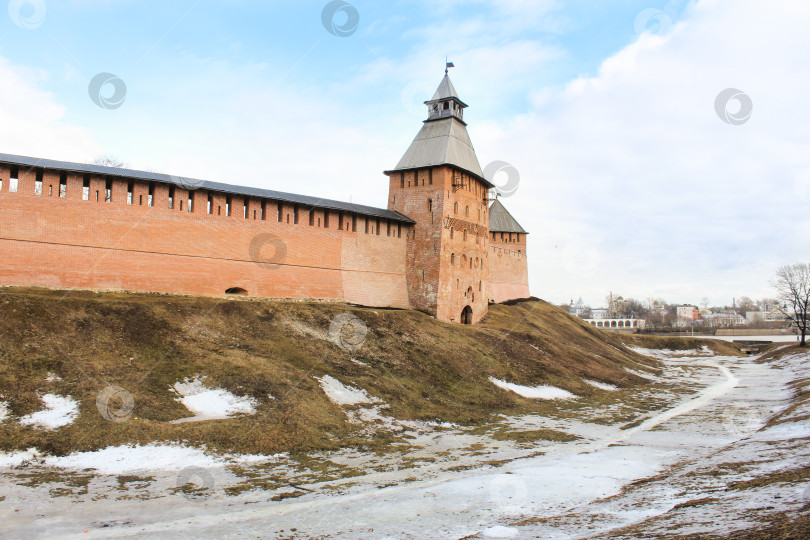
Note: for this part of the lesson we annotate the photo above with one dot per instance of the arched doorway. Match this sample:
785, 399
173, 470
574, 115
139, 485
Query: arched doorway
466, 315
236, 290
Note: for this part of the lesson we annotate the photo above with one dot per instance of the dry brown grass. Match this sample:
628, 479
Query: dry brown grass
423, 368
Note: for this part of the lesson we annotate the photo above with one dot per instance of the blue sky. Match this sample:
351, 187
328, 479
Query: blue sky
630, 181
151, 45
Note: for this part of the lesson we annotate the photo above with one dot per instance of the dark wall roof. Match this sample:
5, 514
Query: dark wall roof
193, 183
500, 220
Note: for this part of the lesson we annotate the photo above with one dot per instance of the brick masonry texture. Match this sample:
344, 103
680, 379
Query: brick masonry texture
162, 238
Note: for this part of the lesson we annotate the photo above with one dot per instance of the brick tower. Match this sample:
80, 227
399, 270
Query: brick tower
439, 184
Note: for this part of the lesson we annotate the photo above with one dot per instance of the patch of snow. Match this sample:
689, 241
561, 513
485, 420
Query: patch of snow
210, 403
499, 531
663, 354
52, 377
129, 458
15, 459
601, 385
786, 431
440, 424
342, 394
124, 459
253, 459
536, 392
3, 411
641, 374
356, 361
60, 411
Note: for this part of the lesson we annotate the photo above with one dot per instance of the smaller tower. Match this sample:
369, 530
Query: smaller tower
508, 262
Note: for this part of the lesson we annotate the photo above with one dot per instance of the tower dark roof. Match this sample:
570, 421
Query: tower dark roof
443, 139
500, 220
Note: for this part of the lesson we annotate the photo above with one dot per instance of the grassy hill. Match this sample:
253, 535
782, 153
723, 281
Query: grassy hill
422, 368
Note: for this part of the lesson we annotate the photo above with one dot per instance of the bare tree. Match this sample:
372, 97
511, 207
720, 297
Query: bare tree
109, 161
744, 305
792, 285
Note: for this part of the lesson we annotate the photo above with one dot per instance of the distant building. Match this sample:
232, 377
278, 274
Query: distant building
618, 324
686, 314
775, 316
770, 315
578, 309
724, 319
754, 317
600, 313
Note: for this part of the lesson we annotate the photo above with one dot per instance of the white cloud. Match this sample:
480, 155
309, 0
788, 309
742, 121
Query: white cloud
635, 161
31, 120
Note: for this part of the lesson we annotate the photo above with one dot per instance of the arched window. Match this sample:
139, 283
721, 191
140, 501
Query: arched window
452, 232
453, 259
430, 205
471, 263
455, 208
467, 210
465, 235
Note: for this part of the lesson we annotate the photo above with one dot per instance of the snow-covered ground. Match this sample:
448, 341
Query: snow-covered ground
210, 403
342, 394
602, 386
668, 353
675, 468
536, 392
59, 411
3, 411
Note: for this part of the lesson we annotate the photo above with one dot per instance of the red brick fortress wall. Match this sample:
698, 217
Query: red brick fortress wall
52, 241
508, 267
